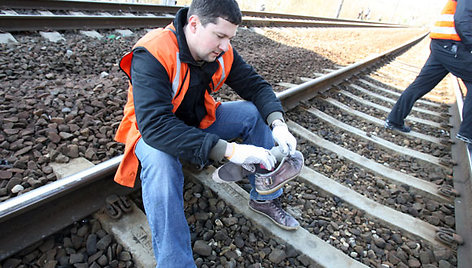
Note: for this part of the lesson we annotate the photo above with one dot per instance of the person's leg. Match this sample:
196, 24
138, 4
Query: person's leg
430, 75
459, 63
466, 125
241, 119
162, 191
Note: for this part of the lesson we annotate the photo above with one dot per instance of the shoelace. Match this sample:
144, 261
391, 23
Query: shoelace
291, 161
278, 207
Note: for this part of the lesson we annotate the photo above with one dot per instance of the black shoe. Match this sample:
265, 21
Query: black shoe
464, 139
390, 125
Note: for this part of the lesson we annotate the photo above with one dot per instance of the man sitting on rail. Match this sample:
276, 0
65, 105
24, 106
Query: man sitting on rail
171, 116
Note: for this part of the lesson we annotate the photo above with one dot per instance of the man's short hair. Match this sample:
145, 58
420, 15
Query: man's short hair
208, 11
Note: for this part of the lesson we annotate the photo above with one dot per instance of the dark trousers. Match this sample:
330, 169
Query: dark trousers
446, 57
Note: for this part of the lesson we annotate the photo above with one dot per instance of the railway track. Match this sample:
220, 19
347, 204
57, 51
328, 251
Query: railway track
366, 197
26, 15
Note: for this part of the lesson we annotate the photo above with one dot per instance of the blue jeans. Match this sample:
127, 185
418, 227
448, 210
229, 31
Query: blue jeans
446, 57
162, 182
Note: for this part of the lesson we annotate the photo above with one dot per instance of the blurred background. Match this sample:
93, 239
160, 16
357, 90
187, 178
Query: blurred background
411, 12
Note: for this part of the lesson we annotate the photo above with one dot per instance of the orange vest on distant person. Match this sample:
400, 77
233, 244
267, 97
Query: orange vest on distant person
444, 27
162, 44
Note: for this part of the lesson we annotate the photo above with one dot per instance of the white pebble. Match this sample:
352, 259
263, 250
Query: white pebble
17, 188
103, 74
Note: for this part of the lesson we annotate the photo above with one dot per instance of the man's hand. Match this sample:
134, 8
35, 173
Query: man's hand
283, 137
249, 154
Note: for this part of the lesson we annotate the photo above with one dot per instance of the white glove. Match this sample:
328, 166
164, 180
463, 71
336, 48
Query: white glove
243, 154
283, 137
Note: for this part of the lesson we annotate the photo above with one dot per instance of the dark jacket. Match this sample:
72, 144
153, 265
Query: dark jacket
177, 133
463, 22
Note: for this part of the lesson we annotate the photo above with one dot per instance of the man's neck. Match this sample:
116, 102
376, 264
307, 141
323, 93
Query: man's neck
187, 35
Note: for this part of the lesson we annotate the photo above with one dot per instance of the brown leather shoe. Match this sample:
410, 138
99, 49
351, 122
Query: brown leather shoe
288, 169
273, 210
230, 172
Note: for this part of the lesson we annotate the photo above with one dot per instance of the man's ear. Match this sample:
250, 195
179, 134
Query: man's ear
193, 22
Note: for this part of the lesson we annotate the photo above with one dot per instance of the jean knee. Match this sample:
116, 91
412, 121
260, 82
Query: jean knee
252, 113
156, 164
250, 107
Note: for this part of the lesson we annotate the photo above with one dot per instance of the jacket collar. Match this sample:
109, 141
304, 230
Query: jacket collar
184, 52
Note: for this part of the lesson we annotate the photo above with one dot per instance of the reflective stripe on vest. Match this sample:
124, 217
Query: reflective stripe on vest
444, 27
176, 82
223, 76
128, 131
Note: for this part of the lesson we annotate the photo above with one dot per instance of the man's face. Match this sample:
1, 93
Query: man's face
208, 42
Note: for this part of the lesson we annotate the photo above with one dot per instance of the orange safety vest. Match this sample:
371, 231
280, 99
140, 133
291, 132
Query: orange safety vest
162, 44
444, 28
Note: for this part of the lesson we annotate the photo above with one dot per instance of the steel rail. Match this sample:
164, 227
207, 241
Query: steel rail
27, 218
261, 22
306, 17
11, 23
462, 179
32, 216
148, 8
291, 97
87, 6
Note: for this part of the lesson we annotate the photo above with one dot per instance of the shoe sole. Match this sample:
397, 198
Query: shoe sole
274, 221
217, 178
